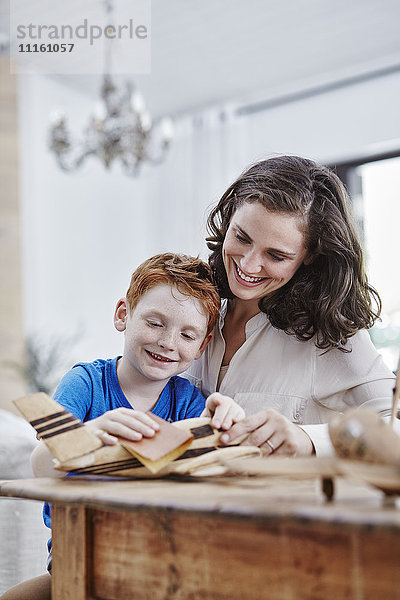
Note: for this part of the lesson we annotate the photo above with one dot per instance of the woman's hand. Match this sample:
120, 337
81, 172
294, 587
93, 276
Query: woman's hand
123, 423
273, 433
223, 410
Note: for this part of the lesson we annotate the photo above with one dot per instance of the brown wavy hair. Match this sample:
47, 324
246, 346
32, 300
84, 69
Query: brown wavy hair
329, 299
190, 275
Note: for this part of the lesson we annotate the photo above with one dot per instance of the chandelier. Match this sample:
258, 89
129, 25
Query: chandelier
119, 128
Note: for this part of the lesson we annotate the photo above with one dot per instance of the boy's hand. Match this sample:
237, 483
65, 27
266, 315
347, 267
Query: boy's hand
123, 423
223, 410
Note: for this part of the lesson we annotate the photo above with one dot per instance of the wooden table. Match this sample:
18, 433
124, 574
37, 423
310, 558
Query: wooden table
169, 540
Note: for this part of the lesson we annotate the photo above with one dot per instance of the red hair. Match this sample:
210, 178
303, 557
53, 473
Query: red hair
191, 276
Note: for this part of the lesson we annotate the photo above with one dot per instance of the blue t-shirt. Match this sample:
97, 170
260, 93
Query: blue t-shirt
89, 390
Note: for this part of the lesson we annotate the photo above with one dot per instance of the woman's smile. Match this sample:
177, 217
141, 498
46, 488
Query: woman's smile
247, 280
262, 250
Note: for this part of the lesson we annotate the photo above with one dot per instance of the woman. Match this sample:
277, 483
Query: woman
291, 346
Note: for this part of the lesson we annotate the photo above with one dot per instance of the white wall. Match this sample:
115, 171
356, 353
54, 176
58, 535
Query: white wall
85, 232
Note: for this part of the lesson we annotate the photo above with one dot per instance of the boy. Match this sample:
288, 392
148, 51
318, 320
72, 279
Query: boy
167, 317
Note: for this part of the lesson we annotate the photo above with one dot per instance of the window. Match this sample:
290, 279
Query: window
374, 186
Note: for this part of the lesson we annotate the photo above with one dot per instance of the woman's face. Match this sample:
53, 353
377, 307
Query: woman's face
262, 251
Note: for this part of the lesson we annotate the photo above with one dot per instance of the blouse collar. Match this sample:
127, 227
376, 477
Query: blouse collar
252, 324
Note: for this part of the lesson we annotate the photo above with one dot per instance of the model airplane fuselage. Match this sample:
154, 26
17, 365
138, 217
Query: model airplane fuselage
77, 450
367, 449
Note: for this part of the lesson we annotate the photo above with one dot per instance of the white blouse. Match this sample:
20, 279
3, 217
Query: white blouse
305, 384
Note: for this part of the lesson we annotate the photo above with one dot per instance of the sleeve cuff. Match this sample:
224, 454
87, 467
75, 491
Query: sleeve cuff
319, 436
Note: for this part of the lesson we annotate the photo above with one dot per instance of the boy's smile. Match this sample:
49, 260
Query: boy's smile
159, 358
164, 334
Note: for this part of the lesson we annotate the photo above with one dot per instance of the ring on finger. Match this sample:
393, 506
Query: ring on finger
270, 444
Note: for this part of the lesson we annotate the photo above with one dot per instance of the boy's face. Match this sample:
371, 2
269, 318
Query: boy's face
164, 334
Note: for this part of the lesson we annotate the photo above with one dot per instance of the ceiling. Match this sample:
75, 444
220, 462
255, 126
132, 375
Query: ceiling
207, 52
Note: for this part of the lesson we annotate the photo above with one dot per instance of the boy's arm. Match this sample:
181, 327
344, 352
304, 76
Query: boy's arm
42, 462
224, 411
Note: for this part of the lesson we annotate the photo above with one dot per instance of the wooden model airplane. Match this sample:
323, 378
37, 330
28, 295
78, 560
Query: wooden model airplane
367, 448
182, 447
